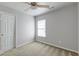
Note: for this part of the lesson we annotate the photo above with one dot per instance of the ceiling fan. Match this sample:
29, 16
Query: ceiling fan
34, 5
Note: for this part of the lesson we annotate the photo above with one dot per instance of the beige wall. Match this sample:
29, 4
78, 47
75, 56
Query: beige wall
24, 29
78, 26
61, 27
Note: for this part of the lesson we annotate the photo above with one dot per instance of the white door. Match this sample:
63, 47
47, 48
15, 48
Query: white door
6, 31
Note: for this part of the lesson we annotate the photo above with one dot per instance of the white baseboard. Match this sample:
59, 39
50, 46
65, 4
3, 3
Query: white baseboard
23, 44
1, 52
58, 46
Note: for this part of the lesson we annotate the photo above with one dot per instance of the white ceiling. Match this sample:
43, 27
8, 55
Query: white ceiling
22, 7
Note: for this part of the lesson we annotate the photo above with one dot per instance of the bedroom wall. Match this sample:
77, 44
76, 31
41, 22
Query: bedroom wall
61, 27
24, 29
78, 25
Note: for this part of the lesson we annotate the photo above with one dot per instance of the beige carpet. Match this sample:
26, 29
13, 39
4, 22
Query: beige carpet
38, 49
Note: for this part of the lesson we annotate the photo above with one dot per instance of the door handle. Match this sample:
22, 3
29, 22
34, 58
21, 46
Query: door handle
1, 34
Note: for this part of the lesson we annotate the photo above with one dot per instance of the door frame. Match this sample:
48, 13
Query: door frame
14, 37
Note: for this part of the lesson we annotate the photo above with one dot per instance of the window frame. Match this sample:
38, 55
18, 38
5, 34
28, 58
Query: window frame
42, 29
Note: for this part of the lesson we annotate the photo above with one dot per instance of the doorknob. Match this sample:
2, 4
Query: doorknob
1, 34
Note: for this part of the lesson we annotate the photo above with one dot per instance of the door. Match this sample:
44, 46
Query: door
6, 31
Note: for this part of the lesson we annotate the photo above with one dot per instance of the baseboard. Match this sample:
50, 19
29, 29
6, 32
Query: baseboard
23, 44
1, 52
59, 47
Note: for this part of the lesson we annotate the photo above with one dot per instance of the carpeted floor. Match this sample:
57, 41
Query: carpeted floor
38, 49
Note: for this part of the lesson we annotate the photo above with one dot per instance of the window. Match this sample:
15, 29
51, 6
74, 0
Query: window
41, 28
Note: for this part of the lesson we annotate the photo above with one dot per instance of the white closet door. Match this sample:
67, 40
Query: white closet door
10, 32
3, 32
7, 31
0, 31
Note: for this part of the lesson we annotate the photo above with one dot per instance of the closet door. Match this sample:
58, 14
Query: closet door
3, 31
0, 31
7, 31
10, 31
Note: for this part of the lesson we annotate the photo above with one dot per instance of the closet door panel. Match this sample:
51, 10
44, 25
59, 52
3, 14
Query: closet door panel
7, 32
